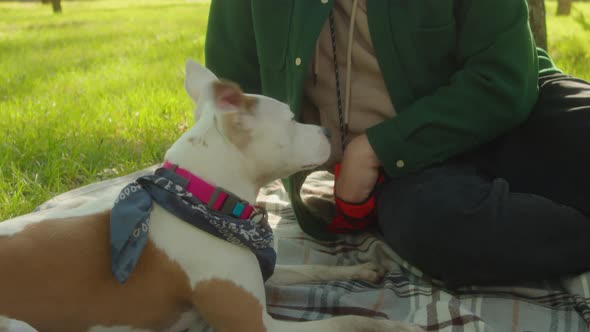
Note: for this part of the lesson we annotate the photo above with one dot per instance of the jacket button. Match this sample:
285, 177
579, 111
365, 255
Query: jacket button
298, 62
400, 164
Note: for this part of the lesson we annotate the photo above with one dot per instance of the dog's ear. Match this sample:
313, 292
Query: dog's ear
196, 79
233, 107
229, 97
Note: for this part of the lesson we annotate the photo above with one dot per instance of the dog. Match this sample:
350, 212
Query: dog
55, 273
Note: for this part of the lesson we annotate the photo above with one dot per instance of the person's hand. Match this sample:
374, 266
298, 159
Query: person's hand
359, 171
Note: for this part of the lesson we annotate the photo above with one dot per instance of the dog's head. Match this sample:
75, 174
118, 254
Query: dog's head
261, 129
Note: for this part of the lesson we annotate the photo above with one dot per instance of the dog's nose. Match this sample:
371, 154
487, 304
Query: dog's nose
327, 132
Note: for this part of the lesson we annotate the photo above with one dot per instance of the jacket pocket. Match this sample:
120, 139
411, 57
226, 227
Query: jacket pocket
272, 24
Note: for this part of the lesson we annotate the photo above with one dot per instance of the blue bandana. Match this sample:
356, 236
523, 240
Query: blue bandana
130, 217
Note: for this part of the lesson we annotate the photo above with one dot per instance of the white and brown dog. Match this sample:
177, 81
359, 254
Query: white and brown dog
56, 274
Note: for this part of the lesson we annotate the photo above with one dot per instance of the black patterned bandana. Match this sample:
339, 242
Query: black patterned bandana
129, 223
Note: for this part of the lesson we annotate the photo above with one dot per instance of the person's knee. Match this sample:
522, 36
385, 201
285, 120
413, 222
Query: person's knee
440, 201
430, 222
420, 219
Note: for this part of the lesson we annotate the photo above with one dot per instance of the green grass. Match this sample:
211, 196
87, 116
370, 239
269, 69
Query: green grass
569, 39
97, 91
94, 92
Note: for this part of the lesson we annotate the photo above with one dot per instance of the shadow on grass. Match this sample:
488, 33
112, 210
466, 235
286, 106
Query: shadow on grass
157, 7
58, 40
20, 84
55, 25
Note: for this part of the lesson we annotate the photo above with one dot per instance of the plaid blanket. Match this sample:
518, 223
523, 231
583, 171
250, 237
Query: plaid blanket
404, 294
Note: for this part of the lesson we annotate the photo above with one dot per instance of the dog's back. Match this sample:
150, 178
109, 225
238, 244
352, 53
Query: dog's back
58, 271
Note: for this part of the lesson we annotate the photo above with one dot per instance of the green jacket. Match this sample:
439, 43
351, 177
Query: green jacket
460, 72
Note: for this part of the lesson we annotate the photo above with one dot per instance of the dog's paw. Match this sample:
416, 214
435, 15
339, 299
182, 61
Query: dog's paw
371, 272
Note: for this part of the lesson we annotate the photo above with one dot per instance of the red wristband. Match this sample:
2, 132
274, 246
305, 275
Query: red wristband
352, 217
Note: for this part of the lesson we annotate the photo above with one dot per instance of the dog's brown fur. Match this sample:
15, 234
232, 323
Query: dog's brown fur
65, 284
234, 130
238, 98
244, 312
232, 124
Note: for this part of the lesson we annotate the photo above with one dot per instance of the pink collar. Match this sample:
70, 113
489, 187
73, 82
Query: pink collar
216, 198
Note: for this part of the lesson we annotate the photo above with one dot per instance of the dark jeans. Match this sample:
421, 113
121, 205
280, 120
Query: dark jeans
517, 209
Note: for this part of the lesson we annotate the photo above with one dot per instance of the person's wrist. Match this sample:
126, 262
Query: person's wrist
366, 153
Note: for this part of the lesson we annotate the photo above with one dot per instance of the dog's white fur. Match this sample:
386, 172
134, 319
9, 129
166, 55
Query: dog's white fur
278, 146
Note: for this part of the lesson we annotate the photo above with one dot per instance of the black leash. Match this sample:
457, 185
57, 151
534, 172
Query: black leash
343, 126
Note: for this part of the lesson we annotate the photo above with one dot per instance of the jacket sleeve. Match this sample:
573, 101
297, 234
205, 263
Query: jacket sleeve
230, 45
494, 90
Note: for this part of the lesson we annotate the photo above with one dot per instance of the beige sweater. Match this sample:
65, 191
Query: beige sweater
369, 101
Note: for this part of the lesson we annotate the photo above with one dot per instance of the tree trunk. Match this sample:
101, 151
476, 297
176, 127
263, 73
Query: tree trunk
56, 6
564, 7
538, 23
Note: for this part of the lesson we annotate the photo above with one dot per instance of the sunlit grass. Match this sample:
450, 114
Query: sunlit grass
94, 92
569, 38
